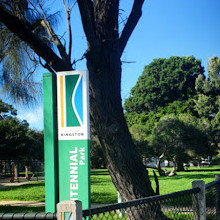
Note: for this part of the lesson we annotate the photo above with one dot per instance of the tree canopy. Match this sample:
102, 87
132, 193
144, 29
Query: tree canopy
18, 141
164, 81
187, 123
208, 100
180, 138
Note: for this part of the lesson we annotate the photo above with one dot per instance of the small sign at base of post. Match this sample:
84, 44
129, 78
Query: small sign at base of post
69, 210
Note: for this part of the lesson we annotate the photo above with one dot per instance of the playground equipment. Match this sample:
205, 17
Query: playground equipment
15, 173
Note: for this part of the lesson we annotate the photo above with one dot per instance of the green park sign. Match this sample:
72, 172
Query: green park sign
70, 139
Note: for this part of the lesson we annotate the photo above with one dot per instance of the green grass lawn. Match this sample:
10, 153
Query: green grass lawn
102, 189
183, 180
33, 191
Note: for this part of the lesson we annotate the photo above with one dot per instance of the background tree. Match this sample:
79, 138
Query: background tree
6, 110
180, 139
13, 138
35, 145
164, 81
105, 46
181, 82
167, 86
208, 99
18, 141
96, 155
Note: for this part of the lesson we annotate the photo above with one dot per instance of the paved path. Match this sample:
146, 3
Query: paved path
36, 204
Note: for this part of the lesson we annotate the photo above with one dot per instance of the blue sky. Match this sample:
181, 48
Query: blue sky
166, 28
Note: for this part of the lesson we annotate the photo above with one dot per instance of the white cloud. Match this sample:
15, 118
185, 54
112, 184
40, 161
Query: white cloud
33, 116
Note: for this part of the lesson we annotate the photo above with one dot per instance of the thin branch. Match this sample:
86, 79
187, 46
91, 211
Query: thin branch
35, 9
82, 58
131, 24
52, 34
68, 13
46, 66
71, 8
128, 61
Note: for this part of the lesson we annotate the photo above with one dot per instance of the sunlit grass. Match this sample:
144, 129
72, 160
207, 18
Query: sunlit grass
103, 190
34, 191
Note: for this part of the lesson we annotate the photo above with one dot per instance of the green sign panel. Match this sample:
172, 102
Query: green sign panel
73, 136
50, 142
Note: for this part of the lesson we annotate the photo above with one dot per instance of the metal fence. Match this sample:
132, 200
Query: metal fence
178, 205
18, 170
199, 203
212, 194
28, 216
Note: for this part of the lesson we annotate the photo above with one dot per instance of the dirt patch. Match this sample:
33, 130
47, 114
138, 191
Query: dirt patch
8, 184
22, 203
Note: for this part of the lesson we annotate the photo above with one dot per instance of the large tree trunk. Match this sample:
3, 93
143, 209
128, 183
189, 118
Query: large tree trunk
127, 171
179, 163
124, 164
105, 47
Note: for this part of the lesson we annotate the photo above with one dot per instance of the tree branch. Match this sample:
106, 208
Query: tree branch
131, 24
53, 36
68, 13
22, 30
87, 21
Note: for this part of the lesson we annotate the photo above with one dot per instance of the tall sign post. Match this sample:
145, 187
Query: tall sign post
73, 136
50, 141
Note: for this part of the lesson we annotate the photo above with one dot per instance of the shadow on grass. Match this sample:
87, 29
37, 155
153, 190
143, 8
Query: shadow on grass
99, 172
191, 176
20, 209
100, 181
25, 186
103, 198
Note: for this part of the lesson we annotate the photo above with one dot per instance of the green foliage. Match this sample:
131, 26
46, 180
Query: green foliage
208, 99
174, 110
13, 138
6, 110
164, 81
35, 145
18, 61
214, 69
96, 154
18, 141
180, 138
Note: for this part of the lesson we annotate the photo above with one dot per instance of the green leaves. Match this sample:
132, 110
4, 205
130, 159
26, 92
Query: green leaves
18, 141
18, 61
164, 81
173, 109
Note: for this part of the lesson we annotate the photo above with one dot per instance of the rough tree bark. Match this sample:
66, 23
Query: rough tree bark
100, 22
105, 47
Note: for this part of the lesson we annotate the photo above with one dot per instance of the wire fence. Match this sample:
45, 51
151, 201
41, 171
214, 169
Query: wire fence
212, 193
178, 205
183, 205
